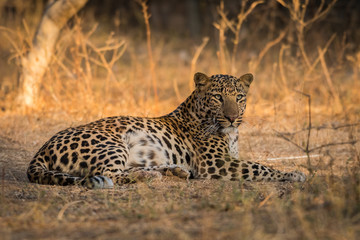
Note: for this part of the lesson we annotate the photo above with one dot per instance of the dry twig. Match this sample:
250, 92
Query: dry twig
235, 26
194, 60
146, 15
297, 11
254, 64
307, 150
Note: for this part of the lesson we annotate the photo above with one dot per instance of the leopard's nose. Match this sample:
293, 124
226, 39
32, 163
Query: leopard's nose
231, 118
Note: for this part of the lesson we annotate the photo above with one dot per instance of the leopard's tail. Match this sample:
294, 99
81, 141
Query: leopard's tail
39, 172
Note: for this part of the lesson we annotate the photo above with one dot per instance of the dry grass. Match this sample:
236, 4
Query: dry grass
326, 206
96, 73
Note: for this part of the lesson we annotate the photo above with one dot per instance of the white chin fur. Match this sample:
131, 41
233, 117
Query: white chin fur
229, 130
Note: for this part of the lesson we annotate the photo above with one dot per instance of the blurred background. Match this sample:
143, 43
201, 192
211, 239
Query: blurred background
101, 64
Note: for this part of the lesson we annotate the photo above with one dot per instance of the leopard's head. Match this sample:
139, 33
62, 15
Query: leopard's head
221, 99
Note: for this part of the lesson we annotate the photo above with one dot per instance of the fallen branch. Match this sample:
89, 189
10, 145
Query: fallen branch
318, 128
292, 157
332, 144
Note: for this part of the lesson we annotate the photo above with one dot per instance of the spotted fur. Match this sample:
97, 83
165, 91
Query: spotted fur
198, 140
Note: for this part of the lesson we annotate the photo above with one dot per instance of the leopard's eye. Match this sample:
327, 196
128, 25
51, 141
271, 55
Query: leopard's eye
218, 97
240, 97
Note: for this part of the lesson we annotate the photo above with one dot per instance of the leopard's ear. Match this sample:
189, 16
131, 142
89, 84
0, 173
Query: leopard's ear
247, 79
201, 80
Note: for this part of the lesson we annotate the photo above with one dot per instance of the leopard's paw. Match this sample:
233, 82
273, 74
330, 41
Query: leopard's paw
103, 182
296, 176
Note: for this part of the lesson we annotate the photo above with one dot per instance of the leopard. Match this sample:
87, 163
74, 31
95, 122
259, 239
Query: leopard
198, 140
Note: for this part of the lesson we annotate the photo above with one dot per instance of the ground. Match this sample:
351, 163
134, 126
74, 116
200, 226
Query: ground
326, 206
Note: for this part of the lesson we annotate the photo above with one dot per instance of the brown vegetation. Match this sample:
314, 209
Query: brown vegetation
300, 52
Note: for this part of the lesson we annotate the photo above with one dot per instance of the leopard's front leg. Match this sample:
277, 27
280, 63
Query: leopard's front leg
253, 171
234, 170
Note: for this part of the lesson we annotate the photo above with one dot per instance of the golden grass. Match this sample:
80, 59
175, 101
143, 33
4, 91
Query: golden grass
95, 74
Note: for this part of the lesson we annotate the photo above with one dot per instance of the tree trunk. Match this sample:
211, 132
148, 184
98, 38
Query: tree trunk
36, 62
